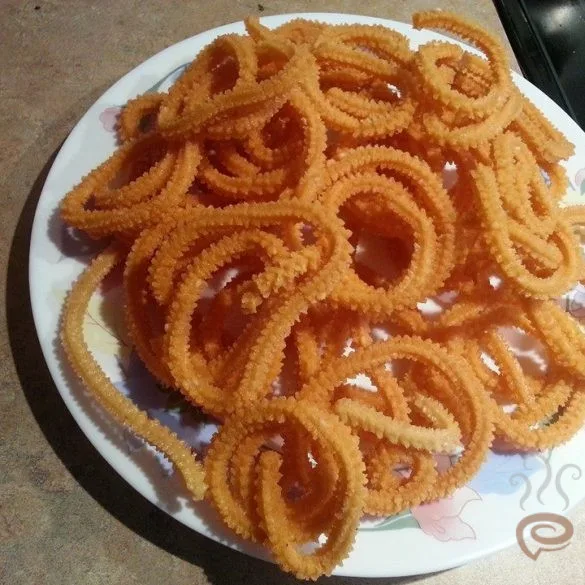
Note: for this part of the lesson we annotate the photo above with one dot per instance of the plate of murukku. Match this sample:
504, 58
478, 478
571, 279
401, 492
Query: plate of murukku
312, 285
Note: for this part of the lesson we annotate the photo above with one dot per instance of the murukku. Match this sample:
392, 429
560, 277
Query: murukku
500, 244
138, 115
120, 407
329, 240
398, 478
325, 429
154, 202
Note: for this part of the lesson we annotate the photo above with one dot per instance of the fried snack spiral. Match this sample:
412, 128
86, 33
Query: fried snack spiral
326, 239
121, 408
332, 436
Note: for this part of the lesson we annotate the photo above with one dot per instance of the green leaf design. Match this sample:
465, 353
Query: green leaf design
177, 403
158, 84
582, 187
404, 520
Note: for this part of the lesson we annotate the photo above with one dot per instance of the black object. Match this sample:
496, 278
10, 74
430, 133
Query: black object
548, 39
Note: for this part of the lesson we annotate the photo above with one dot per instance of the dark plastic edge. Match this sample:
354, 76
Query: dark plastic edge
530, 51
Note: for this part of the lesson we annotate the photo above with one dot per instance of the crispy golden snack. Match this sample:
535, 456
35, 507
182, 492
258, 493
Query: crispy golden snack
281, 214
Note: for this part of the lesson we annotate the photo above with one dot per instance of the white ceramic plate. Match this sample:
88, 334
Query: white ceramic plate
477, 520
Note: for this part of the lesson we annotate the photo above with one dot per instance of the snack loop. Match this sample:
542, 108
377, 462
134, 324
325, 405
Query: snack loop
500, 244
419, 278
275, 514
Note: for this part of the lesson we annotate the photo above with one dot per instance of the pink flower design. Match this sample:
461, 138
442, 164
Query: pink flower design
442, 519
109, 118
